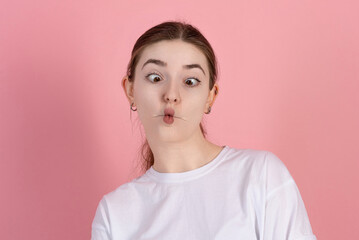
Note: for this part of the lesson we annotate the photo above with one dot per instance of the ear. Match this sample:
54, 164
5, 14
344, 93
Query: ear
128, 88
212, 96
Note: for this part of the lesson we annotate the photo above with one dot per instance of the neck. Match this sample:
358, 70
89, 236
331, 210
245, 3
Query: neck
175, 157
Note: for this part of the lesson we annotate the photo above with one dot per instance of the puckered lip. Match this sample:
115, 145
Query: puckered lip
169, 111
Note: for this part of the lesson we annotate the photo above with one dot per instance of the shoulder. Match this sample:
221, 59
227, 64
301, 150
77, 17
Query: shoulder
245, 155
246, 159
273, 172
245, 163
124, 192
259, 157
265, 166
129, 192
276, 172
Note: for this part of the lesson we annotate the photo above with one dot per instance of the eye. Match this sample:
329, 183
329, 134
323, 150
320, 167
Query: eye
153, 77
192, 81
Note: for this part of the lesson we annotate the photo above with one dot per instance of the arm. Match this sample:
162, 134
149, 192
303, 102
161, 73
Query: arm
100, 223
285, 214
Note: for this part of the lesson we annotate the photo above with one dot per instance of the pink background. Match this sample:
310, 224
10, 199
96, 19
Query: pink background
288, 80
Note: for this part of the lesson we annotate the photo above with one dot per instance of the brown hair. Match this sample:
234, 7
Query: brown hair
171, 30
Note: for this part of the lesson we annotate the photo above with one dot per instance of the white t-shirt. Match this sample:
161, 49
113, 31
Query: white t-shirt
241, 194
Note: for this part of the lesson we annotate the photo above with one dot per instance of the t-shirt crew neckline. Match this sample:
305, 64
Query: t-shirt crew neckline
188, 175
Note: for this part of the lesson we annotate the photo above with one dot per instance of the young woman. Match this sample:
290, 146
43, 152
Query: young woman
192, 188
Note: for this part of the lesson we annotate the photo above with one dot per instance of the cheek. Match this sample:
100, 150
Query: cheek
195, 103
146, 99
140, 92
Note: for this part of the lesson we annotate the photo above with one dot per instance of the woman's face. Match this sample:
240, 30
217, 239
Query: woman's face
171, 74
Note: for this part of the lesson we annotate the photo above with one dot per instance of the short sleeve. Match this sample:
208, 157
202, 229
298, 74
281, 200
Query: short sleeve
285, 214
100, 223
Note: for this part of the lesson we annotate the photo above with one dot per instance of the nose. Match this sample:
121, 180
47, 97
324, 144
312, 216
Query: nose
171, 93
170, 99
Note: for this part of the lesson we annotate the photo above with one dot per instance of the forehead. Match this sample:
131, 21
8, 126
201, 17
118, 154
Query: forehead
174, 52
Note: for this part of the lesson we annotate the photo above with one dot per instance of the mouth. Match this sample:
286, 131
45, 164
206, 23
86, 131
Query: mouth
169, 111
166, 115
169, 119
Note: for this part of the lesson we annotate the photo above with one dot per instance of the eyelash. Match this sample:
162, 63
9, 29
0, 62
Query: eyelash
154, 73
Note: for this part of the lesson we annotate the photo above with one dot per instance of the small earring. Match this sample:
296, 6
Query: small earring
209, 110
132, 108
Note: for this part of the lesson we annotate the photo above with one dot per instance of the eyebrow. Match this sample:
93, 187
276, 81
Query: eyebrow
163, 64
